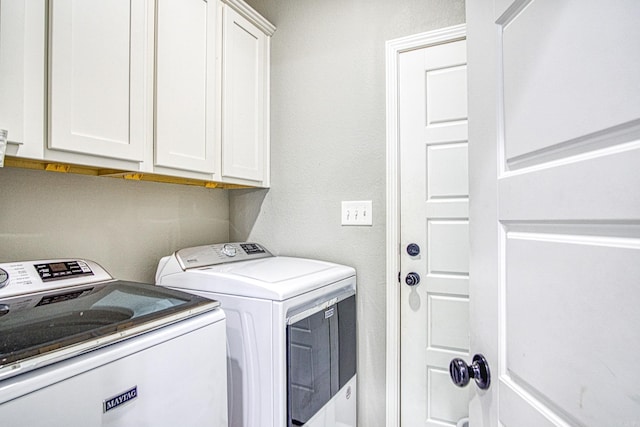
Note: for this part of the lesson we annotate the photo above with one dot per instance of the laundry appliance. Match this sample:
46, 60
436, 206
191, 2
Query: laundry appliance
291, 332
79, 348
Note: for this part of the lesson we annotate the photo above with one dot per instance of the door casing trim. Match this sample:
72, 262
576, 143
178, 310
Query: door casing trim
393, 49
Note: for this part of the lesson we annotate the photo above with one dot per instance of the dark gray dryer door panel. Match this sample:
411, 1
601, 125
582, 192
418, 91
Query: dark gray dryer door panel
321, 358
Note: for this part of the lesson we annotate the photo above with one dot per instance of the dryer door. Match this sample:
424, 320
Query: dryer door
321, 356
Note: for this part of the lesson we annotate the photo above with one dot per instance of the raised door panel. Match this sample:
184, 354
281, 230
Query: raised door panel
544, 78
98, 85
244, 85
22, 76
186, 85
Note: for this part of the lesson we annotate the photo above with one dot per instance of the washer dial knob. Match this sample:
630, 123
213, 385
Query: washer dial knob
4, 278
229, 250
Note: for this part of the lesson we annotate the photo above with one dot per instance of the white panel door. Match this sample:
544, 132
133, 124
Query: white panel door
244, 85
434, 314
22, 75
554, 117
99, 58
186, 84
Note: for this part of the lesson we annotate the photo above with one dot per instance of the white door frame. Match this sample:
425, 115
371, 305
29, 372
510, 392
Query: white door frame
393, 49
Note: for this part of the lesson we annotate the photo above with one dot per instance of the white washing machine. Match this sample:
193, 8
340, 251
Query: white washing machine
291, 332
81, 349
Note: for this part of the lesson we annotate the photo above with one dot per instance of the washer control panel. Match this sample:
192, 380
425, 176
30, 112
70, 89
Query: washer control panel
203, 256
63, 269
28, 277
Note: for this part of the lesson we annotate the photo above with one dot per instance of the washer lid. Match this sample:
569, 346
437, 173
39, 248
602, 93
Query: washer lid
42, 328
275, 278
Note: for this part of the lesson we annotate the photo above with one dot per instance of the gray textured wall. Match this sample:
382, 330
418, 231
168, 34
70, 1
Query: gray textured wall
328, 145
125, 226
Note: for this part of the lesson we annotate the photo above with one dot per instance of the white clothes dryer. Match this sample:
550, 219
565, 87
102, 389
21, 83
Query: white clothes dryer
79, 348
291, 332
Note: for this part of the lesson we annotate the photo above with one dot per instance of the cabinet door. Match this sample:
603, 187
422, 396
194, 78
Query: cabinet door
186, 85
22, 76
244, 86
98, 86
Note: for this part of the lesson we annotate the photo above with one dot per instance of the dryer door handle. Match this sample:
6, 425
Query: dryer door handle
298, 313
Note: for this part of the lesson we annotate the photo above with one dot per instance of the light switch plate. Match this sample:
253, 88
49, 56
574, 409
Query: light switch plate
357, 213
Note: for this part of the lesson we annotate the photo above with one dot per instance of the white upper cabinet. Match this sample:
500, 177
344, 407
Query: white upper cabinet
187, 88
23, 76
98, 75
165, 87
245, 109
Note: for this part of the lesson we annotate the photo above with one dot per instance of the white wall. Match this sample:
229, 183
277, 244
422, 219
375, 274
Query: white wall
328, 145
125, 226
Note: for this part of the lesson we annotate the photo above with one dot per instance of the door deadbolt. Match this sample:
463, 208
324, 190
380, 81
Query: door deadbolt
413, 249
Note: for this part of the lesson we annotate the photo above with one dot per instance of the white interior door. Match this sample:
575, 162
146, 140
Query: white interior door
554, 116
434, 313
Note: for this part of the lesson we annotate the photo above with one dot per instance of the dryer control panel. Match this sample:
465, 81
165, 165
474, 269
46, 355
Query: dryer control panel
203, 256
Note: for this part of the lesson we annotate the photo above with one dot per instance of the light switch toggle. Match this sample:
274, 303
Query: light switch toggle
357, 213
